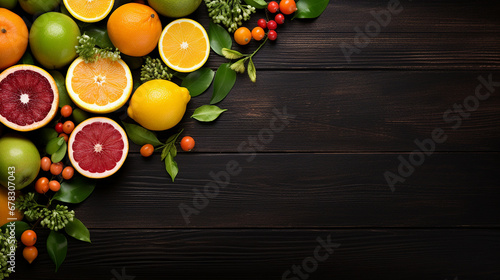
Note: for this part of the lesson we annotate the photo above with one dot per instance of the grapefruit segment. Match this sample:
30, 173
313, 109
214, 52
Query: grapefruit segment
28, 97
98, 147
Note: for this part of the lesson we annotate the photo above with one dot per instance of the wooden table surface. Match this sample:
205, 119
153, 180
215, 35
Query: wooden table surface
308, 148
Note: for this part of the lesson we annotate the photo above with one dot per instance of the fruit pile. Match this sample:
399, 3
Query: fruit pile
61, 97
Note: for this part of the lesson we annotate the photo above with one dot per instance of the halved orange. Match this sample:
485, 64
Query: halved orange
102, 86
184, 45
89, 10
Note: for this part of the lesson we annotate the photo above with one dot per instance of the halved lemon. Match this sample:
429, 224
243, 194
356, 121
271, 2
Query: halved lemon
184, 45
99, 87
89, 10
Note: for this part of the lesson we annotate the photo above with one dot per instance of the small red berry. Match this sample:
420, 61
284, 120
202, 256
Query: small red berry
272, 25
279, 18
59, 127
273, 6
272, 35
262, 23
187, 143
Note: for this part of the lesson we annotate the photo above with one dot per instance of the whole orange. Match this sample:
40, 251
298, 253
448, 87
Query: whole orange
134, 29
13, 38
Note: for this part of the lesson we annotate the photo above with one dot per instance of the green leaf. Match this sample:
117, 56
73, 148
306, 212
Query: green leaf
44, 135
60, 153
20, 227
310, 8
75, 190
258, 4
252, 72
141, 136
239, 66
231, 54
207, 113
173, 150
78, 230
54, 145
171, 166
219, 38
57, 247
223, 83
165, 152
198, 81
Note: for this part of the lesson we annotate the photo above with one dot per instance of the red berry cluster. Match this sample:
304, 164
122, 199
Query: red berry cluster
286, 7
243, 36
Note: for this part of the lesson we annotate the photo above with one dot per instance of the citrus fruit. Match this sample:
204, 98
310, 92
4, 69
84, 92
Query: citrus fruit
134, 29
89, 11
53, 38
38, 6
174, 8
98, 147
13, 38
28, 97
8, 4
158, 104
102, 86
4, 207
21, 157
184, 45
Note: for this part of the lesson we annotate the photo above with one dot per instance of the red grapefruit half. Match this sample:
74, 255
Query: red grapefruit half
28, 97
98, 147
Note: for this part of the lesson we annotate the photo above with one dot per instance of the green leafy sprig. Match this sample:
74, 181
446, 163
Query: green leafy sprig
239, 66
88, 51
5, 249
154, 69
231, 13
54, 219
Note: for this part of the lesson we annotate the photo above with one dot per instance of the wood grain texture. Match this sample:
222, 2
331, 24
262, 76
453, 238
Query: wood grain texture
300, 190
268, 254
339, 111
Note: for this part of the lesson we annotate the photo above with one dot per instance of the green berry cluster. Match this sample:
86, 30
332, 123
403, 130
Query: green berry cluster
54, 219
231, 13
57, 218
4, 250
90, 53
154, 69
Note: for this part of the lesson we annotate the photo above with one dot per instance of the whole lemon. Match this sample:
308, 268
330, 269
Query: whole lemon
174, 8
52, 39
158, 104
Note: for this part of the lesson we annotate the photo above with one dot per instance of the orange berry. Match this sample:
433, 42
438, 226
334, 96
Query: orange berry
56, 168
147, 150
30, 253
242, 36
68, 127
288, 7
258, 33
66, 111
45, 163
68, 172
187, 143
28, 237
54, 186
65, 136
42, 185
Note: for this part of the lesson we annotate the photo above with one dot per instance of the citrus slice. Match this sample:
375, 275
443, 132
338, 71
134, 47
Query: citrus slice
102, 86
28, 97
98, 147
89, 10
184, 45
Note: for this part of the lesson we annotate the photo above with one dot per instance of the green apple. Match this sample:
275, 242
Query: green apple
20, 161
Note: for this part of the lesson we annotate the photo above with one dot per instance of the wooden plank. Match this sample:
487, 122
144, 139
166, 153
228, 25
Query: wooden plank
339, 111
269, 254
425, 16
424, 35
298, 190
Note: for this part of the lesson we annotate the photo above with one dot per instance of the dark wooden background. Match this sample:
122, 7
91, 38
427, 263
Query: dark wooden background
324, 173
